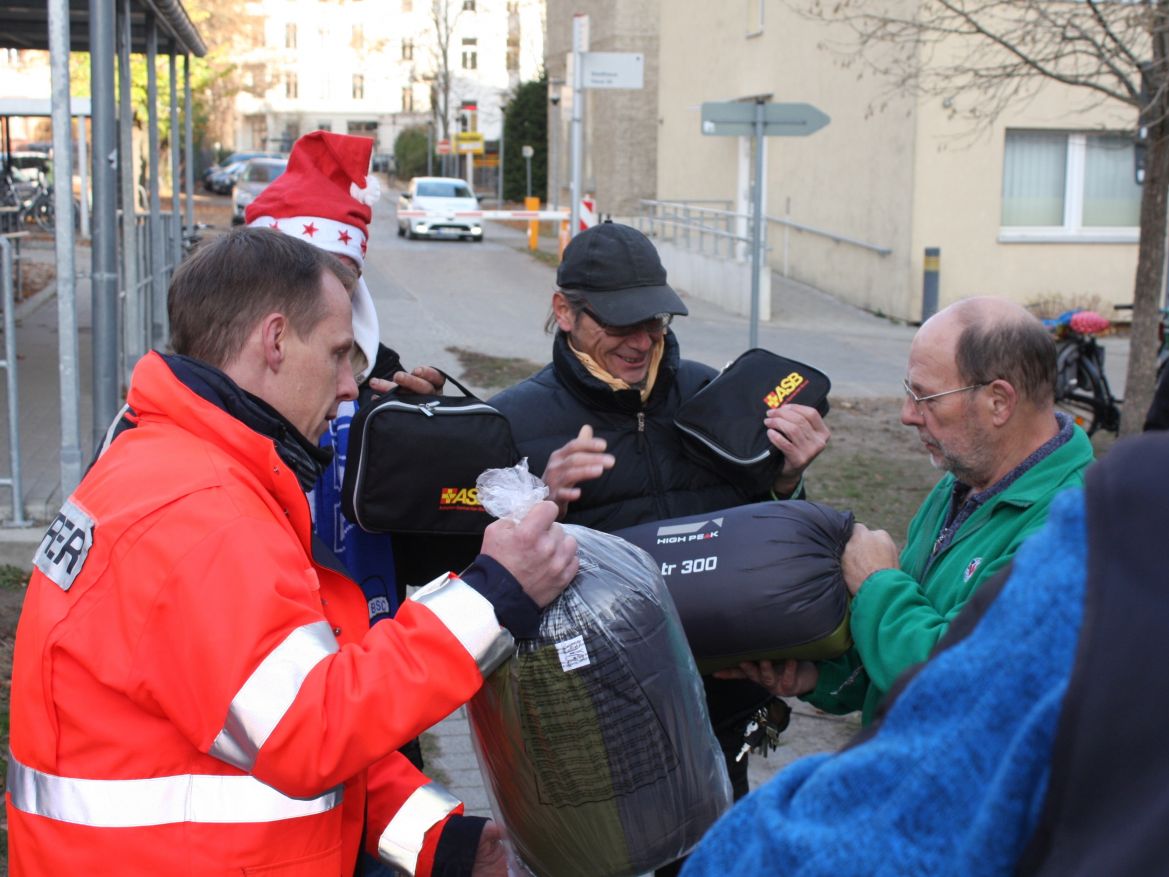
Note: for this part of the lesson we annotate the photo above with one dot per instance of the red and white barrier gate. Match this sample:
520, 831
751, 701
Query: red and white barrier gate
487, 214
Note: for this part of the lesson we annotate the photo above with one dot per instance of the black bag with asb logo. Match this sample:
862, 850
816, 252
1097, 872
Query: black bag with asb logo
410, 471
722, 424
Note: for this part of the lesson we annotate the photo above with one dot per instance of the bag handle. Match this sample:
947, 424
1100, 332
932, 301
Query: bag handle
448, 378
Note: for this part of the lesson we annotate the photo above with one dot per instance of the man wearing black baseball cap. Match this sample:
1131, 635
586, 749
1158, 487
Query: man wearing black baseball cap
598, 421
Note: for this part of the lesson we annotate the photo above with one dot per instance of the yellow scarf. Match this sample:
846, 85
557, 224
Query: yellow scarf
655, 359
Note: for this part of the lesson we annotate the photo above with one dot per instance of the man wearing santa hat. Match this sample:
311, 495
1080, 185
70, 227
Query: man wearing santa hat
325, 197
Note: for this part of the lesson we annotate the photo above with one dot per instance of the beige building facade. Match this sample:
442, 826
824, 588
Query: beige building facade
1040, 205
620, 126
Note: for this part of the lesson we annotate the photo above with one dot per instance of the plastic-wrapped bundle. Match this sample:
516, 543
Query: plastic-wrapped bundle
594, 740
755, 581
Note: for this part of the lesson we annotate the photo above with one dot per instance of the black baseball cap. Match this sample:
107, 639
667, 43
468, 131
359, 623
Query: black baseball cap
618, 271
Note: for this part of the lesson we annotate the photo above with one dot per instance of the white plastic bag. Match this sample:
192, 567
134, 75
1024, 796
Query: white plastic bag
510, 493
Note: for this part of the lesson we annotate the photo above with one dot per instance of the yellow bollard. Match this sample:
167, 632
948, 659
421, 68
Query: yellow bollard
533, 203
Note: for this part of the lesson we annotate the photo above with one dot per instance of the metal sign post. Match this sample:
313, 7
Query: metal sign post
580, 45
758, 119
594, 70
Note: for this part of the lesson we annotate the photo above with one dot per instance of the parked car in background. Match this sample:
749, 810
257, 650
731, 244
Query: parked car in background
236, 158
383, 162
257, 174
443, 199
223, 179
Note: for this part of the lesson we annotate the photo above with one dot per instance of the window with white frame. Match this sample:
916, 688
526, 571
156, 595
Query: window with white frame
470, 53
407, 50
1069, 186
358, 86
290, 35
291, 89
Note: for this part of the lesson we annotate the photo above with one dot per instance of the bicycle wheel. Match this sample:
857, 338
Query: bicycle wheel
1080, 390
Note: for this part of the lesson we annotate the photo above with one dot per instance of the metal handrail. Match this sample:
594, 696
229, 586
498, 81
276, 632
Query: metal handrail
831, 235
695, 217
715, 232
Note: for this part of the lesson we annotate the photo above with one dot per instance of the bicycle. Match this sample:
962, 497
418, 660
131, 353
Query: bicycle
1081, 386
40, 209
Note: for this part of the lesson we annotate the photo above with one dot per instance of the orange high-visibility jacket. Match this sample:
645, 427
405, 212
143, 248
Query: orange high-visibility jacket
193, 695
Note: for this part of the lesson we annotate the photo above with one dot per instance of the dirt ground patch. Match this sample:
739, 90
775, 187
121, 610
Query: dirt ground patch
493, 372
873, 465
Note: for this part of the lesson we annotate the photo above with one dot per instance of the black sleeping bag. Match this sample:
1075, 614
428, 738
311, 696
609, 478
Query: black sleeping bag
755, 582
594, 740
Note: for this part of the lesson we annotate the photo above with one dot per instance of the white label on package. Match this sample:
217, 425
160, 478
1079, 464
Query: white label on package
573, 654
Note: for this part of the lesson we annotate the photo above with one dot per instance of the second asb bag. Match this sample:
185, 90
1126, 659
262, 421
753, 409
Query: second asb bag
722, 424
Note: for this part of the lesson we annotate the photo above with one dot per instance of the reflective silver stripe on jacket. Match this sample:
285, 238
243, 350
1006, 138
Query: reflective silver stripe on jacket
401, 843
268, 694
157, 801
471, 618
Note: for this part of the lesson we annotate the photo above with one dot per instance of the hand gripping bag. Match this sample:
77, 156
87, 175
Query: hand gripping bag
754, 582
722, 424
593, 741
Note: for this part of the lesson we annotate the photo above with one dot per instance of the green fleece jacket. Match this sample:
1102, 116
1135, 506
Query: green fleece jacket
898, 615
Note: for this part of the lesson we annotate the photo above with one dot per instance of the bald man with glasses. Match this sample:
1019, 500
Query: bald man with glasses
980, 391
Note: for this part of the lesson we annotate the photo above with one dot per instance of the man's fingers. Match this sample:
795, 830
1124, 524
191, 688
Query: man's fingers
730, 673
538, 520
586, 432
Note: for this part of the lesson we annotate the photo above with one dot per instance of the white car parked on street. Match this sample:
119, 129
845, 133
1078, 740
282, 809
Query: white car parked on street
442, 200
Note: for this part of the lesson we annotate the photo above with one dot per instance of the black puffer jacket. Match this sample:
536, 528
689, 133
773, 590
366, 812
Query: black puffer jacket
653, 478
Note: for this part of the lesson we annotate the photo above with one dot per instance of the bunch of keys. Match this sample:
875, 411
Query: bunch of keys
763, 730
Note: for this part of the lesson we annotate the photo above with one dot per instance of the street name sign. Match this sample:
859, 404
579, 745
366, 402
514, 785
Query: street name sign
613, 70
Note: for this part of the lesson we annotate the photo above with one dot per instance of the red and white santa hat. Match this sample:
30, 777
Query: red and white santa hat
325, 197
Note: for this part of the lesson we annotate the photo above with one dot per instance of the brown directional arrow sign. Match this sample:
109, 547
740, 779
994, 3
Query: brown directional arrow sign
737, 119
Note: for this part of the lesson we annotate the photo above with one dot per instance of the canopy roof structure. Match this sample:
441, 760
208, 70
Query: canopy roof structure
24, 24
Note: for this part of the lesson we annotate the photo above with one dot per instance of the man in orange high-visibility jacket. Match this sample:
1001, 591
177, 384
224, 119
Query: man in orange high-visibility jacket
192, 692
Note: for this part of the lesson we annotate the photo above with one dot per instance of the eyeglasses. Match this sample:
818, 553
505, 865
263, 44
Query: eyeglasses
657, 325
917, 400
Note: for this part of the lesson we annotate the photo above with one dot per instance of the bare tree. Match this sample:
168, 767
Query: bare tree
444, 16
986, 55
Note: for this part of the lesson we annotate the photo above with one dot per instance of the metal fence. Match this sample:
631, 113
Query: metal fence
706, 227
143, 287
9, 364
